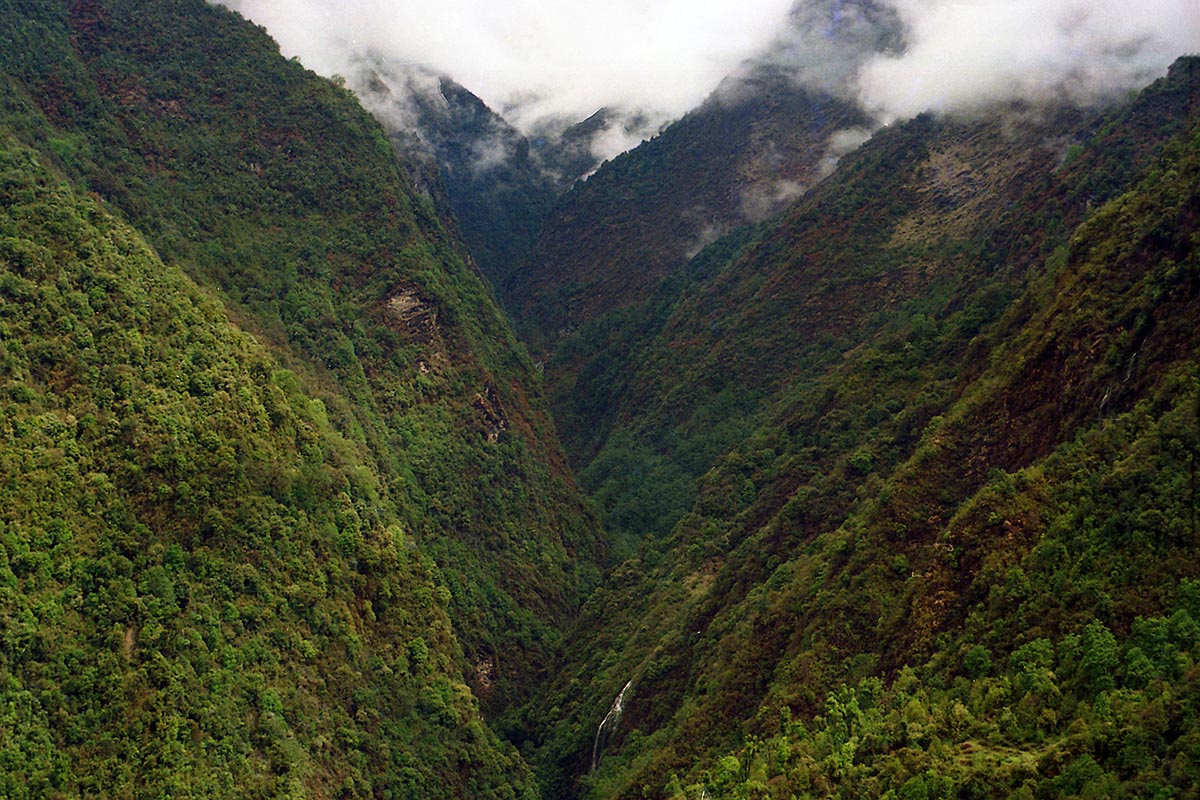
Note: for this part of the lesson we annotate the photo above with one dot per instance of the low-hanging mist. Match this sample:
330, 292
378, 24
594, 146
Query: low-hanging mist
533, 61
657, 59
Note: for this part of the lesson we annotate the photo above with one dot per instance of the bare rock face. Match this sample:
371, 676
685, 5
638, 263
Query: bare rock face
491, 413
416, 317
485, 674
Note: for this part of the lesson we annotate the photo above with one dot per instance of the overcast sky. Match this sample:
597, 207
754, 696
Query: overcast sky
531, 58
964, 53
537, 57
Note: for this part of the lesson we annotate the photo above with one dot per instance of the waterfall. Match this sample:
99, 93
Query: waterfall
608, 724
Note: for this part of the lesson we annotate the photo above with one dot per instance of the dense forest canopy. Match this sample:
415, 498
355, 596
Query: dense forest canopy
299, 509
886, 456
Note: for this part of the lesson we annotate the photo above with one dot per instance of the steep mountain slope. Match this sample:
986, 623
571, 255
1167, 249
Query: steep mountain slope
206, 589
282, 512
752, 147
660, 390
498, 184
913, 224
188, 121
768, 133
951, 549
493, 182
263, 524
614, 253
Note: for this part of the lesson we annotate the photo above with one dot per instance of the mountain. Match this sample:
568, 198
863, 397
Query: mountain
929, 438
617, 248
283, 505
752, 148
496, 184
207, 589
896, 468
490, 180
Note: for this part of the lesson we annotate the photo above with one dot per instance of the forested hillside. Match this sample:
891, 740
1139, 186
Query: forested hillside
747, 152
485, 171
947, 544
207, 589
894, 448
283, 507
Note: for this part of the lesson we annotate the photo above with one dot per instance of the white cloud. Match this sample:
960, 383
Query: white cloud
532, 59
840, 143
653, 60
964, 54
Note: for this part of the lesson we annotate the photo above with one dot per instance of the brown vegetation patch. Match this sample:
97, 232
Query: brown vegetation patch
491, 413
414, 315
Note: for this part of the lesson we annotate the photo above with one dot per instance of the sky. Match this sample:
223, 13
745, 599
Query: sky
963, 54
536, 59
532, 58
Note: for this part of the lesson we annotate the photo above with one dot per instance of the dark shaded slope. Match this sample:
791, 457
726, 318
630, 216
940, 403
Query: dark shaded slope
972, 466
912, 223
938, 218
614, 238
612, 258
494, 185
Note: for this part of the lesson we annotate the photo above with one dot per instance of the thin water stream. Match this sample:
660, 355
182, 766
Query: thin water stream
608, 724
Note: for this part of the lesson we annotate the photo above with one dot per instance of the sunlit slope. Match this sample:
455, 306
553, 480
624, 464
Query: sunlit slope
275, 190
206, 588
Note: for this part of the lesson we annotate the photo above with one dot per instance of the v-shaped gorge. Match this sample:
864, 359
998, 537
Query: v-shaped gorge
894, 447
903, 474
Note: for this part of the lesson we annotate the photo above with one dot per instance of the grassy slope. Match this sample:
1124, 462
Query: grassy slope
851, 533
